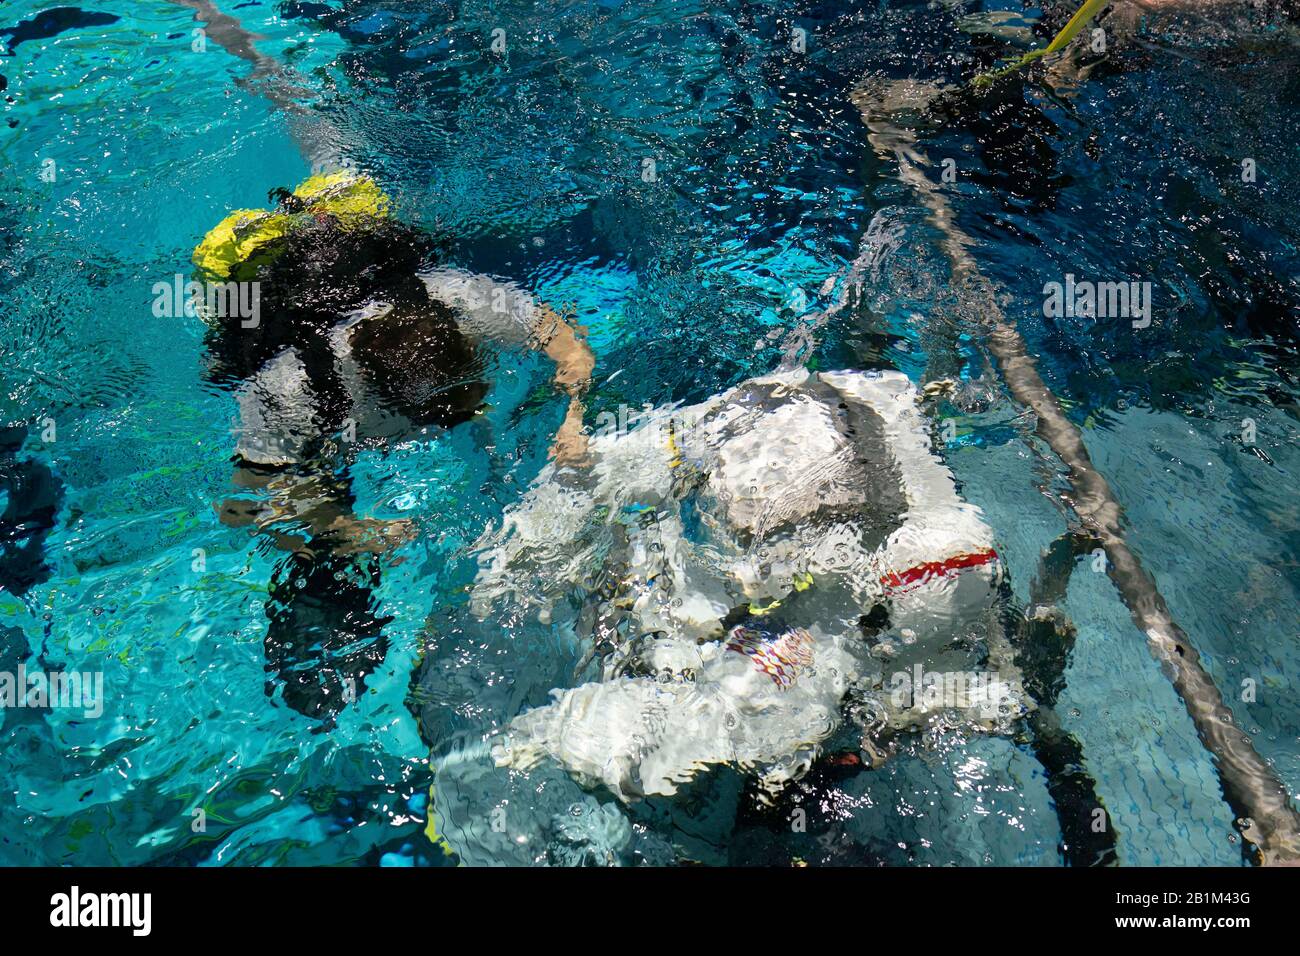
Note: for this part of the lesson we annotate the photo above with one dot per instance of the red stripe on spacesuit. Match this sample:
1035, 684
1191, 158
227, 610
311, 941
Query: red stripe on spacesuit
958, 562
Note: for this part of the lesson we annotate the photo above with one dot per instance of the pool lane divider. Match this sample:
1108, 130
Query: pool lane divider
283, 86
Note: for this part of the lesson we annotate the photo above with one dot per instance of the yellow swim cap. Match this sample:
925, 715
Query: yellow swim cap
247, 238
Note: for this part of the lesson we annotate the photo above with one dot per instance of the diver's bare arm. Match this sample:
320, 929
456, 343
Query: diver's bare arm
292, 506
574, 363
309, 507
283, 85
570, 353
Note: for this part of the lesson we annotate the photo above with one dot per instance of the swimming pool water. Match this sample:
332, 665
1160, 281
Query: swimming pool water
673, 172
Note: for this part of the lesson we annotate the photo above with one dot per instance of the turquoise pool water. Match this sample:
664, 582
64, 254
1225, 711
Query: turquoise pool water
122, 145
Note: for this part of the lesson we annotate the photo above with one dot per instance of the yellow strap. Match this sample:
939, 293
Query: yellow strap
1059, 42
674, 450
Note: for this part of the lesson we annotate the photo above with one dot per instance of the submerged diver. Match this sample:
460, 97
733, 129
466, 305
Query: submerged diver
784, 554
358, 337
793, 540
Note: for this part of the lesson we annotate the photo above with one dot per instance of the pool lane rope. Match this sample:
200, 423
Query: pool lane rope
1251, 787
283, 86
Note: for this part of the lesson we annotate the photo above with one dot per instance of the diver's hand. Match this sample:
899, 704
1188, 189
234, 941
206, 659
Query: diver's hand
340, 533
348, 535
575, 371
244, 513
239, 512
574, 362
570, 445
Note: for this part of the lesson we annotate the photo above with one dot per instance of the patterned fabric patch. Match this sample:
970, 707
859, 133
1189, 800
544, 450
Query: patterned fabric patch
777, 656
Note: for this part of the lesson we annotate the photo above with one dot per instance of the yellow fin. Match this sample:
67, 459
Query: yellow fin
244, 240
1059, 42
345, 196
237, 241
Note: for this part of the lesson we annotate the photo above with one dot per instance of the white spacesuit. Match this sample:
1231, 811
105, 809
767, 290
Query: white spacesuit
780, 548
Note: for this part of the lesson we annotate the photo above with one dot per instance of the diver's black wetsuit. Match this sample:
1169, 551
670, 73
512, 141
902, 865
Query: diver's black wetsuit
324, 634
416, 360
